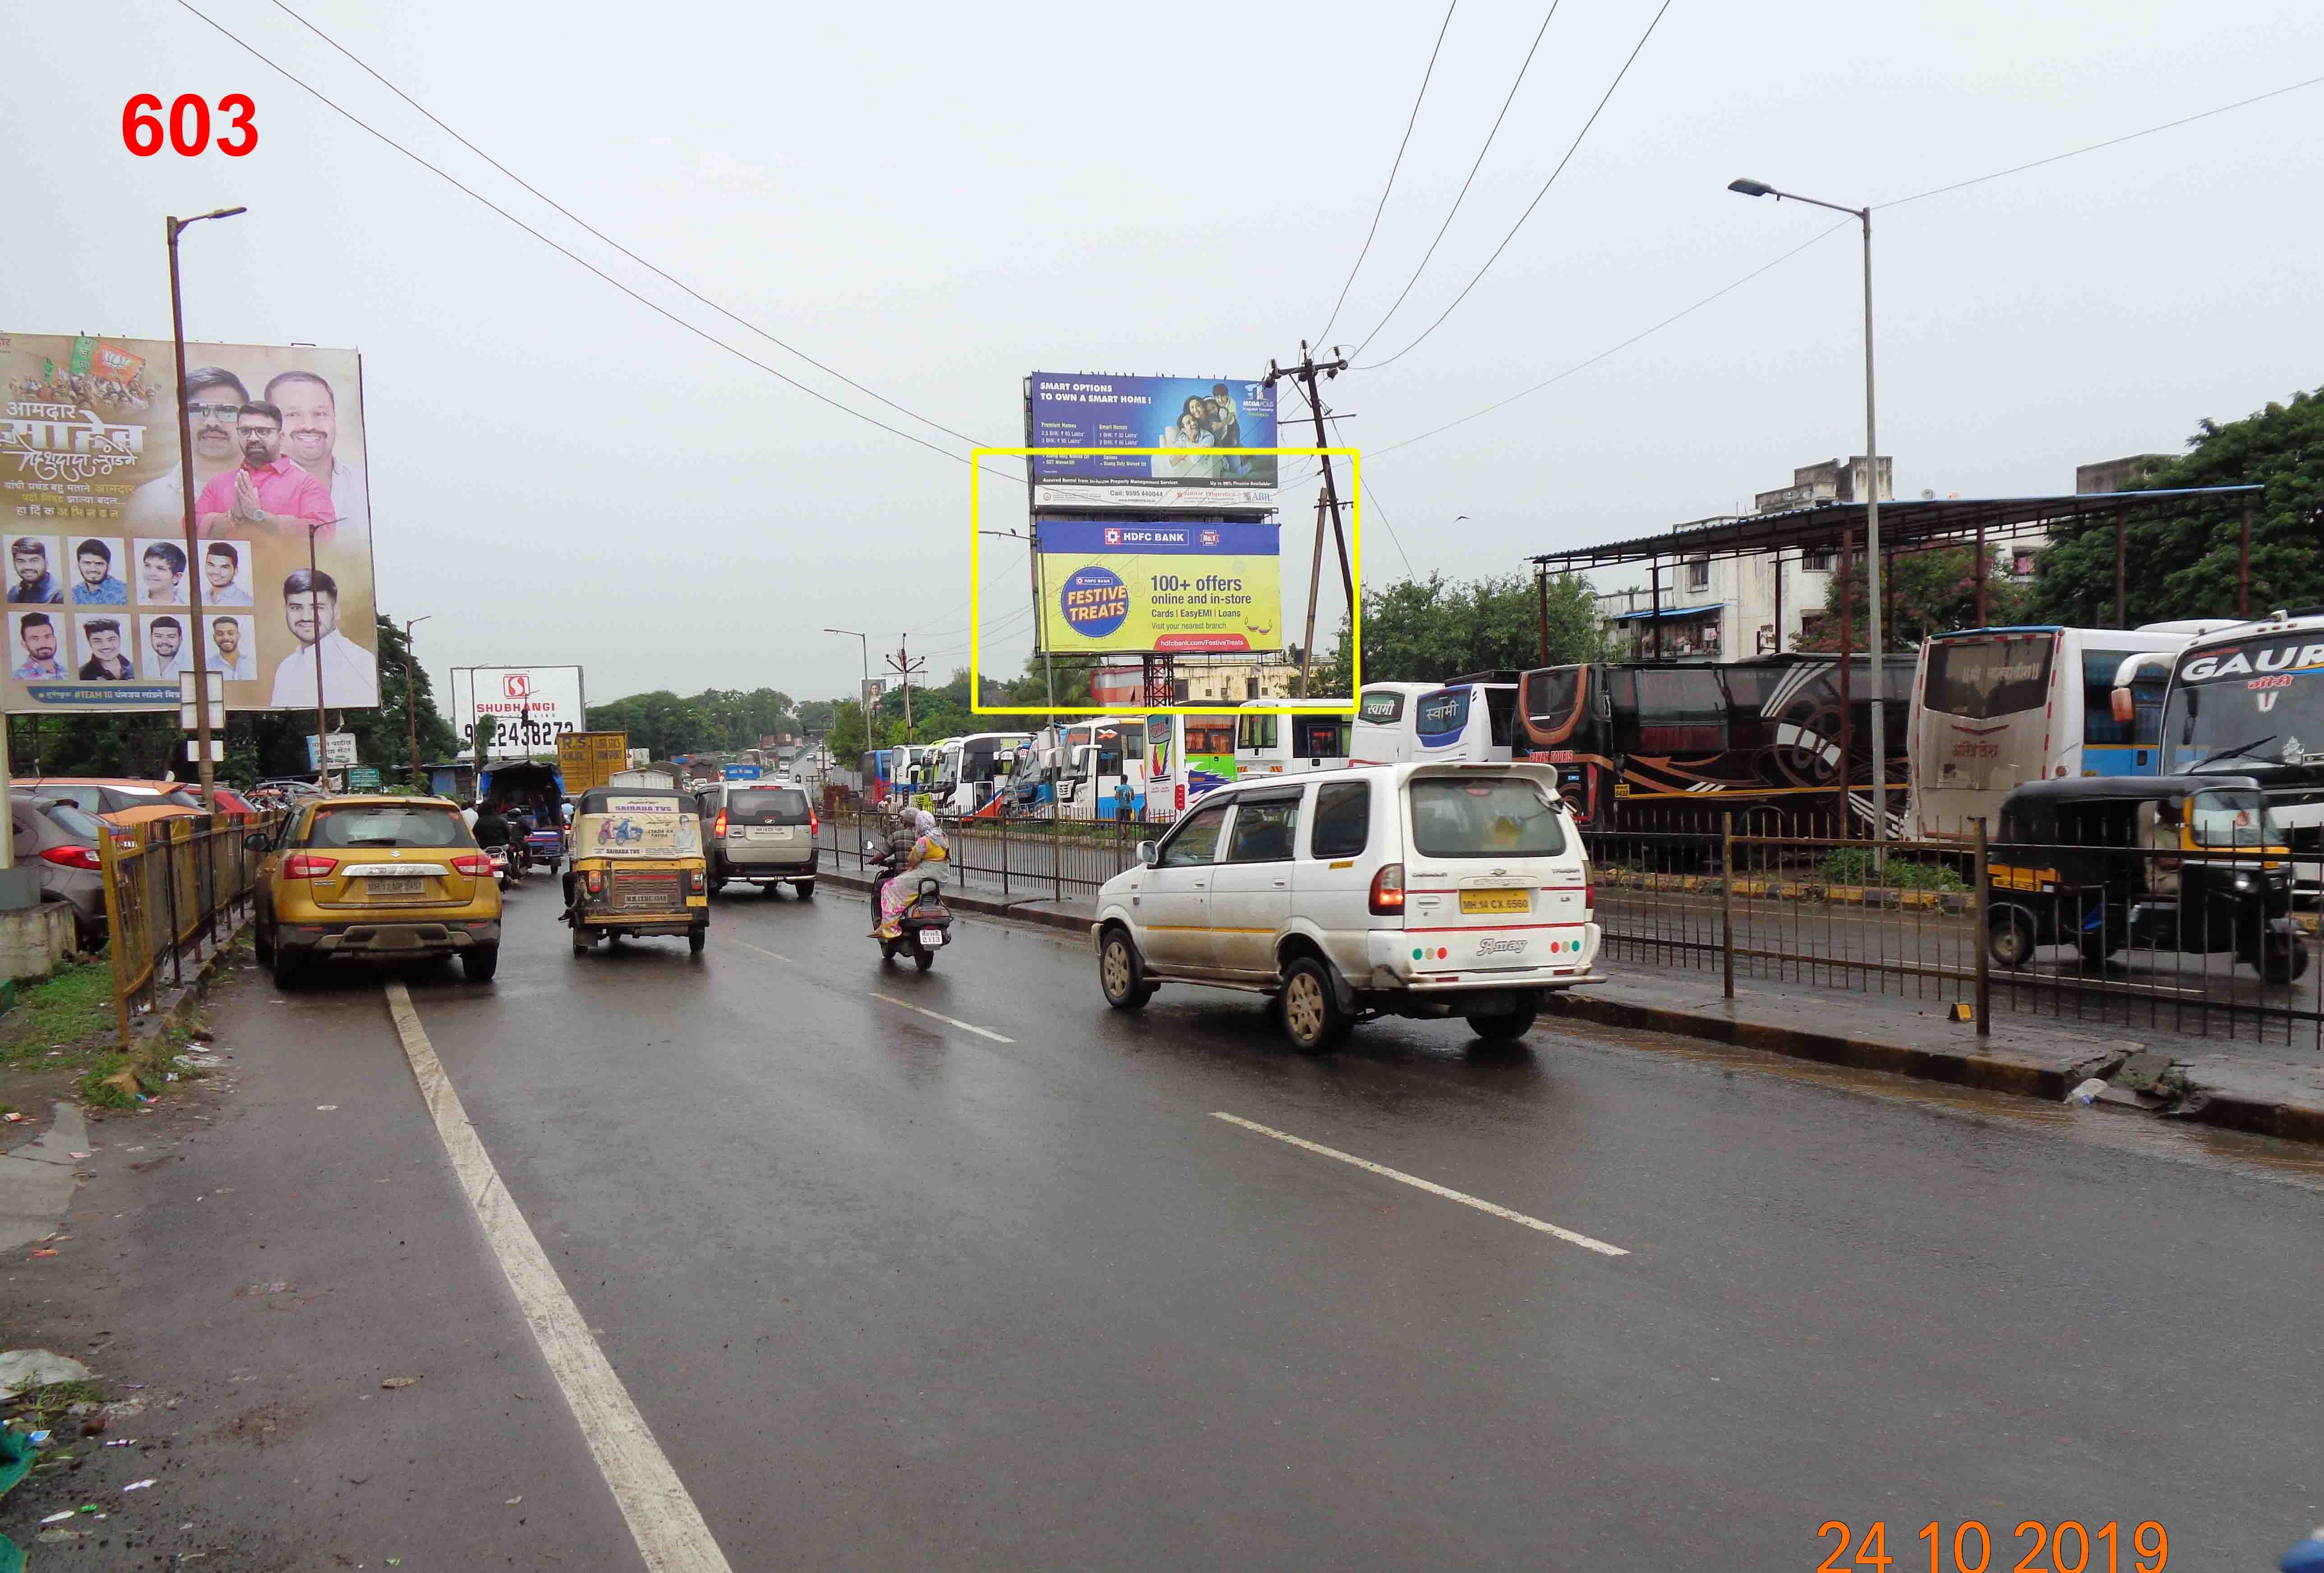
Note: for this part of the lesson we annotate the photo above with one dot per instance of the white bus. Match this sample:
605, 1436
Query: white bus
1469, 718
1186, 757
1081, 765
1993, 707
1284, 745
967, 769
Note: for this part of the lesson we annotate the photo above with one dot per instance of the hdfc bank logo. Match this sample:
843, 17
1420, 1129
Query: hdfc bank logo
1210, 538
516, 685
1113, 538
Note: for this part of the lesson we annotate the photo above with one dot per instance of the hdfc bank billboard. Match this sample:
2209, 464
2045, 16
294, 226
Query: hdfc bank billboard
530, 707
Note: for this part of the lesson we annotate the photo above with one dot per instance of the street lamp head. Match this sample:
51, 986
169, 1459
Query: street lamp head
222, 213
1751, 188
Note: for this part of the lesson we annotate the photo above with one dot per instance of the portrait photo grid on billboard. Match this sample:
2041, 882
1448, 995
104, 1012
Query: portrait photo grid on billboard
92, 515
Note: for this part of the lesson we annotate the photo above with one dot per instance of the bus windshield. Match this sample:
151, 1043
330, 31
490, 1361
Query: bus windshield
2260, 703
1978, 679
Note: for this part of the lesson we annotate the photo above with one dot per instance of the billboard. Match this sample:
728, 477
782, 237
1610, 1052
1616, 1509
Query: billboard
533, 706
1180, 587
1217, 415
99, 611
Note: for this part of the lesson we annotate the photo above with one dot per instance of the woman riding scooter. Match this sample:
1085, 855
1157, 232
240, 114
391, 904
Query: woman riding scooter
916, 842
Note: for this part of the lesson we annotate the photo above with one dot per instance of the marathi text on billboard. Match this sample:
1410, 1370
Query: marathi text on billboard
1181, 587
530, 708
1219, 419
100, 582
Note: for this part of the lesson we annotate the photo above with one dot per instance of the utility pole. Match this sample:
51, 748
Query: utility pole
205, 769
904, 666
411, 714
1304, 374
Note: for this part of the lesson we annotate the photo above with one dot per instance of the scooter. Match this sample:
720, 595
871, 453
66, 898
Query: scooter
501, 871
927, 922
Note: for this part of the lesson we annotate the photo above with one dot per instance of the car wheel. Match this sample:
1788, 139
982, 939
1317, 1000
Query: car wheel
2095, 947
2009, 939
583, 940
262, 943
1507, 1027
290, 967
1310, 1013
695, 938
806, 888
480, 963
1120, 972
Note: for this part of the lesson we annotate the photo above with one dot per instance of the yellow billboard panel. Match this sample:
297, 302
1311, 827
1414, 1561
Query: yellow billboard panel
1182, 586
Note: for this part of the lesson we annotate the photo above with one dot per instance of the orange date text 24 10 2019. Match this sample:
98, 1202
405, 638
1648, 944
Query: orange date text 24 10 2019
2067, 1546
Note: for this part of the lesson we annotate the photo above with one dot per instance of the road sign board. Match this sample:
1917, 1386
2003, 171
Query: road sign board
362, 778
739, 772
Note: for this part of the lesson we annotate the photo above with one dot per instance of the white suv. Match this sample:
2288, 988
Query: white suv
1409, 889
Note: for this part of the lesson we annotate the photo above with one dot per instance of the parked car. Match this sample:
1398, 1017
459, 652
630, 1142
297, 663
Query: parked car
1425, 890
107, 796
375, 877
762, 833
63, 838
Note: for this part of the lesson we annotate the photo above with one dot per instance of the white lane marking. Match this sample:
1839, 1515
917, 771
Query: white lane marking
747, 946
663, 1519
948, 1020
1465, 1199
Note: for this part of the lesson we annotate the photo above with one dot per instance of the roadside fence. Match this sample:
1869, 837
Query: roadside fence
172, 885
1037, 858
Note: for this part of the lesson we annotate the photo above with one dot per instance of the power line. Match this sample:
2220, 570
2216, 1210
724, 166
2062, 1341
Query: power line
1463, 192
1411, 122
568, 253
1828, 233
1537, 195
1370, 490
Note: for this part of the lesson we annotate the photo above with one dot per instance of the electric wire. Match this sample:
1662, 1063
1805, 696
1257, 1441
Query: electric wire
651, 305
1574, 148
1413, 120
1463, 192
1371, 494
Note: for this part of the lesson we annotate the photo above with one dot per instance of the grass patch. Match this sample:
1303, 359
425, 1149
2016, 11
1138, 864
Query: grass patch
1853, 865
48, 1404
71, 1008
102, 1082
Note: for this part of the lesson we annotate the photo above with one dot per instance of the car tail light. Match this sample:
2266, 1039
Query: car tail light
1387, 891
719, 829
476, 863
305, 866
814, 823
73, 857
596, 882
693, 881
1589, 891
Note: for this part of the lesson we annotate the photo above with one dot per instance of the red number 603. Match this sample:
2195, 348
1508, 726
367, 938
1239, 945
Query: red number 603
187, 130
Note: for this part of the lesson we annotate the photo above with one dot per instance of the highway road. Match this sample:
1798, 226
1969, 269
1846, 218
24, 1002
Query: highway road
963, 1269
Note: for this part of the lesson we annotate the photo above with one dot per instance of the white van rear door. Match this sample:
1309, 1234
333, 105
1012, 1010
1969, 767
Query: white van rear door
1494, 878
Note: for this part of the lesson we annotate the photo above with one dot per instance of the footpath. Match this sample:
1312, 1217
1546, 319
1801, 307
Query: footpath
2273, 1088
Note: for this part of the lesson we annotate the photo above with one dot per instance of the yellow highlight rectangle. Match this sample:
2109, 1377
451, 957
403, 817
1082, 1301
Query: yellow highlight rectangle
976, 588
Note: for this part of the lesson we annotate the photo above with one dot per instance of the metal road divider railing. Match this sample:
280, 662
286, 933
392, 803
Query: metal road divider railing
1915, 919
1031, 860
173, 885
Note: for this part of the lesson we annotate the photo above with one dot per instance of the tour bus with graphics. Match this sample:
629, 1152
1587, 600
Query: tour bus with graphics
1186, 757
1996, 707
1081, 765
970, 768
1469, 717
2249, 701
1280, 745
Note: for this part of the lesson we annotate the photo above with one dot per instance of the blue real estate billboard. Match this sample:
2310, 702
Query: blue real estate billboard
1220, 419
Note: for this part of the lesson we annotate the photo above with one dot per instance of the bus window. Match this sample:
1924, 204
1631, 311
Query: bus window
1210, 736
1258, 732
1382, 706
1319, 737
2098, 724
1681, 710
1980, 678
1500, 714
1444, 713
1549, 695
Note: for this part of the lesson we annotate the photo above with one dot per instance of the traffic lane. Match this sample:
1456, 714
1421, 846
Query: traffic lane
1824, 1218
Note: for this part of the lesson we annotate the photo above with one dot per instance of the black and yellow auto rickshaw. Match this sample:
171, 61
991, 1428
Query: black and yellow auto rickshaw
636, 866
2183, 864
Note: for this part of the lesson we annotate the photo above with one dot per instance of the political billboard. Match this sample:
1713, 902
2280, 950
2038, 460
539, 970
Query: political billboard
1180, 587
100, 582
531, 707
1218, 417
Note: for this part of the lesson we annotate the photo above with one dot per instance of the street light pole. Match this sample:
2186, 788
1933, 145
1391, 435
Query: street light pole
209, 774
315, 611
411, 714
1863, 216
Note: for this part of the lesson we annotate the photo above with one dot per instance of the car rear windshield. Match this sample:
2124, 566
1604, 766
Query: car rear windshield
1503, 816
75, 821
767, 806
387, 827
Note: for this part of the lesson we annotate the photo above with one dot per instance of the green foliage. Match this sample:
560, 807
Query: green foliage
1853, 866
1922, 593
2185, 566
1423, 630
71, 1008
715, 720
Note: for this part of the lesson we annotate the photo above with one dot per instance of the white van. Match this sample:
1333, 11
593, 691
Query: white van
1409, 890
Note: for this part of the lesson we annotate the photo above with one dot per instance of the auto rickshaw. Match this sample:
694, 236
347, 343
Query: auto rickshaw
2186, 863
636, 866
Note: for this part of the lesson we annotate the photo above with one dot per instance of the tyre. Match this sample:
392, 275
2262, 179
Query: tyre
480, 963
290, 967
2009, 939
1121, 973
583, 940
1507, 1027
1310, 1013
806, 888
262, 943
2281, 958
695, 938
923, 958
2094, 950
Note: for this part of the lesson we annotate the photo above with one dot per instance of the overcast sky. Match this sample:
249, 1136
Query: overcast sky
937, 200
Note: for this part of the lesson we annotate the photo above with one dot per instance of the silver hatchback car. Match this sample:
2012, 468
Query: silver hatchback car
762, 832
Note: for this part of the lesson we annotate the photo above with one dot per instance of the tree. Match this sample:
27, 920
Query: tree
2185, 564
1921, 593
1425, 631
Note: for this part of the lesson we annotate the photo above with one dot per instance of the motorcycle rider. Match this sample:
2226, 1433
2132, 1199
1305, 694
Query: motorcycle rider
493, 829
896, 861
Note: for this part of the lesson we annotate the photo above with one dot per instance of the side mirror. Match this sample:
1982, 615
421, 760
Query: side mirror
255, 841
2125, 712
870, 846
1146, 853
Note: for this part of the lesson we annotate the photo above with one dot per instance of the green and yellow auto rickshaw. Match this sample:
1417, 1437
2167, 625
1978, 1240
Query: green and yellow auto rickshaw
636, 866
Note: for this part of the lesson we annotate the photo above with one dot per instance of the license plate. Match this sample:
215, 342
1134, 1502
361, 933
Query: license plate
932, 937
376, 887
1496, 901
634, 902
771, 832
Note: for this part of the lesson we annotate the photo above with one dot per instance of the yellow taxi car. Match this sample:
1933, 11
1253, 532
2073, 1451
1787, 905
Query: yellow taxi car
382, 879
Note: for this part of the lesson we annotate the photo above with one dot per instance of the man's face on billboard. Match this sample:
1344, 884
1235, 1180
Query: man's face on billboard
227, 634
212, 411
92, 569
262, 440
30, 566
310, 424
104, 643
40, 640
311, 615
161, 579
164, 639
219, 568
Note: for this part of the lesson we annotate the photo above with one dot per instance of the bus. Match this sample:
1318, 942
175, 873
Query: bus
2248, 700
1278, 745
1995, 706
1470, 717
875, 766
1080, 765
1674, 745
1186, 757
968, 769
